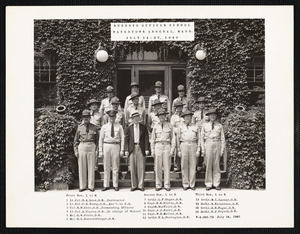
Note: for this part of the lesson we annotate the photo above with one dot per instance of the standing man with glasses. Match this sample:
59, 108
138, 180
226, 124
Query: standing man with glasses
111, 148
135, 107
137, 147
86, 150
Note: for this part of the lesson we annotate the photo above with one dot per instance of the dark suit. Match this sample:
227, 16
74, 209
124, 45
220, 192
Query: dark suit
137, 154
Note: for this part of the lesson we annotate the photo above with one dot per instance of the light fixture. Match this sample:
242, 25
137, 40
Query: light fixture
101, 54
61, 109
200, 52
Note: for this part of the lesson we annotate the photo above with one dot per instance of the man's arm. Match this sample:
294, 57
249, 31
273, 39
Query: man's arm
223, 143
126, 105
127, 139
76, 143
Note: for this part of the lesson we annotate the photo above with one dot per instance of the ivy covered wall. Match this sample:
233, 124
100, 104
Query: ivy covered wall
221, 77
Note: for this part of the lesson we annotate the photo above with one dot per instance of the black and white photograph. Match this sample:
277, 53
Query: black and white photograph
155, 119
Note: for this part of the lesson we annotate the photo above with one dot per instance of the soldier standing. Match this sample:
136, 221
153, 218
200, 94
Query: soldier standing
158, 95
85, 148
93, 105
188, 140
182, 98
106, 102
162, 148
135, 107
152, 116
111, 147
213, 147
120, 119
176, 121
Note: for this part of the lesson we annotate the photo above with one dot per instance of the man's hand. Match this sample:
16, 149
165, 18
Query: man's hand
203, 154
97, 153
179, 154
172, 152
198, 154
76, 155
222, 153
153, 154
126, 153
100, 155
122, 153
147, 152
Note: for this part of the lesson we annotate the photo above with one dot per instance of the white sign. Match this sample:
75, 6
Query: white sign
153, 31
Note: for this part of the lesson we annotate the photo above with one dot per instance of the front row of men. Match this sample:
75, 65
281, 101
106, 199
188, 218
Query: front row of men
186, 138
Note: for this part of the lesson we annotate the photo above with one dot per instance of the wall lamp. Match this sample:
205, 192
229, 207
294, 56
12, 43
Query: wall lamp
200, 51
101, 54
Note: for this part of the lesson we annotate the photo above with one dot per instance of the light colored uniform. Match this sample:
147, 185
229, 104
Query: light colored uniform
139, 109
188, 138
120, 119
213, 146
162, 98
184, 100
106, 105
199, 118
129, 102
85, 144
176, 121
96, 118
111, 146
152, 120
162, 141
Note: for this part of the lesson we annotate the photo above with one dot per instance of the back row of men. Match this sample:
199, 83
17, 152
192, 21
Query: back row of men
186, 137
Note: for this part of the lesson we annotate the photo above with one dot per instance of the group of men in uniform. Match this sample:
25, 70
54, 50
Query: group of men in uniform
109, 133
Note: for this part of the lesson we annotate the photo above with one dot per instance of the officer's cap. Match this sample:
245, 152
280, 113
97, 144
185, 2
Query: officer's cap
157, 102
134, 95
212, 111
180, 88
186, 113
178, 103
109, 89
134, 84
86, 113
111, 113
92, 101
162, 112
115, 100
201, 99
158, 84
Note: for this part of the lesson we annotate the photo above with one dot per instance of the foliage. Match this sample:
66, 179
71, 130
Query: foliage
245, 135
54, 158
221, 76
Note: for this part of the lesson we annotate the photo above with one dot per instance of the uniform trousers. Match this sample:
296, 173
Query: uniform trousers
86, 164
137, 167
111, 159
212, 154
188, 164
162, 162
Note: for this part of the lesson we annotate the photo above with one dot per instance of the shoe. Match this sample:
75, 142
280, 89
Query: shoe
105, 188
217, 188
157, 189
133, 189
185, 188
142, 189
167, 189
81, 190
192, 188
208, 188
92, 190
116, 188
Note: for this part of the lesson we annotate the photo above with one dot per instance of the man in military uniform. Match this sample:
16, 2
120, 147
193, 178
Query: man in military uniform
199, 118
106, 102
137, 147
152, 116
213, 147
182, 98
111, 147
188, 141
162, 148
176, 121
158, 95
85, 148
134, 89
135, 107
120, 119
93, 105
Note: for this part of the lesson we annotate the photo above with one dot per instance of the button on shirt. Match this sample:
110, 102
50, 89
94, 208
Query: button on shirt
105, 135
215, 134
163, 133
189, 133
136, 133
86, 133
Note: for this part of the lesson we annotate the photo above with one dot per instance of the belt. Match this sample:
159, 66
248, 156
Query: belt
188, 142
212, 140
116, 143
137, 143
163, 142
87, 141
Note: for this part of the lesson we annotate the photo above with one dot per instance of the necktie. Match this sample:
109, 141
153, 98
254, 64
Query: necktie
112, 133
92, 113
136, 107
201, 114
158, 97
212, 125
162, 126
87, 128
181, 98
187, 126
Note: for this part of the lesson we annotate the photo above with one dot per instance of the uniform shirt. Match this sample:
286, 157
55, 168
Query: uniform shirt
105, 135
86, 133
105, 106
188, 133
216, 134
120, 119
141, 111
176, 121
153, 119
196, 119
96, 118
162, 98
184, 100
163, 134
129, 103
136, 133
